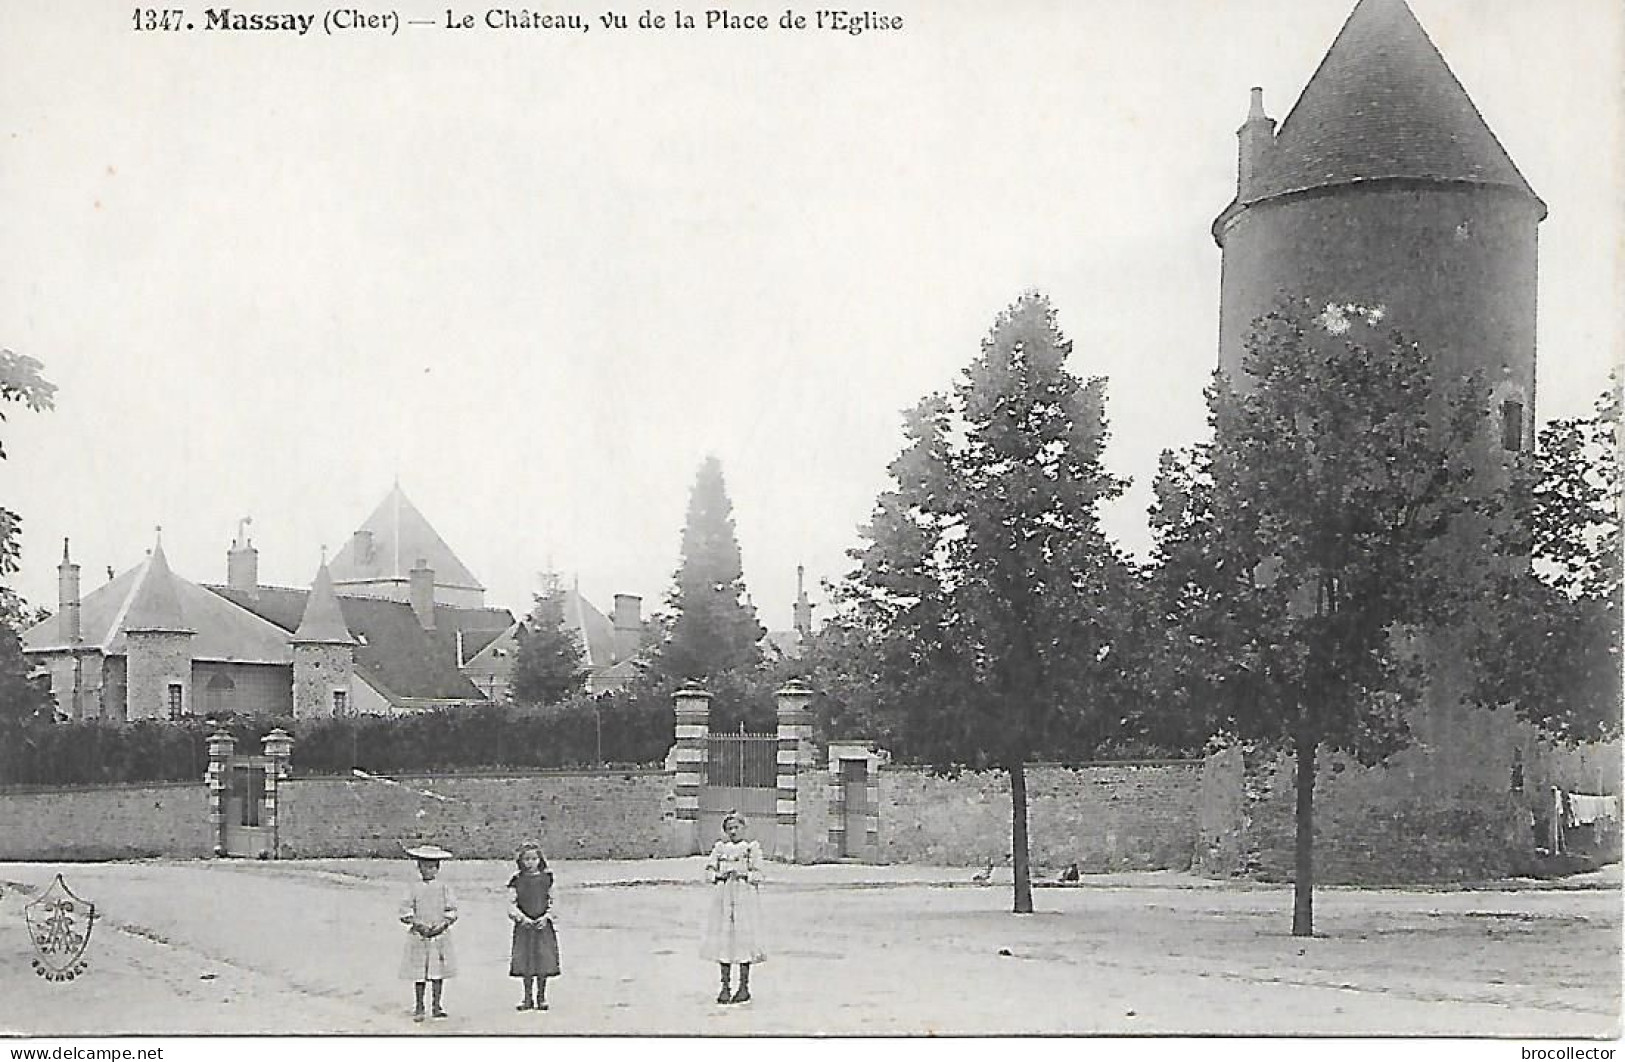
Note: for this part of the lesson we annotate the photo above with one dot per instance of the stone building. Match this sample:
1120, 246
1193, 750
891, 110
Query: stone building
395, 623
1384, 186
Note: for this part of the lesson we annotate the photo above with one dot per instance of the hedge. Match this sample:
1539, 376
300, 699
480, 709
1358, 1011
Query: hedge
577, 733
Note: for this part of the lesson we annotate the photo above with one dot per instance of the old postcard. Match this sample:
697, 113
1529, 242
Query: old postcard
465, 465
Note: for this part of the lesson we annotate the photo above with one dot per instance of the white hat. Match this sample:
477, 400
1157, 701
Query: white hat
428, 851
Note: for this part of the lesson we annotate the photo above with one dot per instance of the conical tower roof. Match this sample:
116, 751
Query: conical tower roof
156, 605
323, 622
1384, 105
391, 542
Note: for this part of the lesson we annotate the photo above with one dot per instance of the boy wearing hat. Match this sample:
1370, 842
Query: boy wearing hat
428, 912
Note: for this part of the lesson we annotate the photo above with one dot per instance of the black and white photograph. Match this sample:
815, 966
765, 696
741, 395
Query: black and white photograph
1085, 522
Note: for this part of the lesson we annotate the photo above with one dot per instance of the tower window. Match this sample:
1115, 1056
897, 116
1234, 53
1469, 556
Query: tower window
177, 704
1512, 425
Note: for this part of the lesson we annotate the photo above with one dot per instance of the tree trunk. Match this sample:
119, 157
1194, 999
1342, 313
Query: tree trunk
1303, 879
1018, 837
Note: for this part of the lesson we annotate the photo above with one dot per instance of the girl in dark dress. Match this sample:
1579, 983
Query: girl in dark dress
535, 955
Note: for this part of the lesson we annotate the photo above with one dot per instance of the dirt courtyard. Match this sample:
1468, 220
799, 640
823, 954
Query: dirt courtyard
313, 947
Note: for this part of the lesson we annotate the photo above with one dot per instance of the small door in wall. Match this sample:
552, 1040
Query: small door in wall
854, 806
245, 810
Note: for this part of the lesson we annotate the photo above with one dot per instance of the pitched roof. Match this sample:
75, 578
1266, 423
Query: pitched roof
1384, 105
222, 630
391, 542
155, 605
393, 652
596, 631
322, 621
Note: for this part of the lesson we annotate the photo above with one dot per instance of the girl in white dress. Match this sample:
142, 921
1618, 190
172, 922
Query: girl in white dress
428, 913
733, 930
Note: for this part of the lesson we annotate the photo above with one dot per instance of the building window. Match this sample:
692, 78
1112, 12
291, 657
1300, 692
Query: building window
1512, 425
177, 703
341, 705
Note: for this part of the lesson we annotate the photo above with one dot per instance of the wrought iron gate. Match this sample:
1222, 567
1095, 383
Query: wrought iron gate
741, 773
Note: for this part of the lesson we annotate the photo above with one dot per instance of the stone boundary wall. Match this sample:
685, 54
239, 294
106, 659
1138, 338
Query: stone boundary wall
607, 814
105, 822
1373, 825
1449, 808
1103, 817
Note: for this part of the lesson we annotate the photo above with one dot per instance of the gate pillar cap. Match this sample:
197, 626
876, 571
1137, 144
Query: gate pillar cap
278, 745
796, 688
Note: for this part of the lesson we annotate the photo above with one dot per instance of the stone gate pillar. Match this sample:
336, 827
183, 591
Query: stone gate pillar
278, 748
693, 708
221, 746
795, 755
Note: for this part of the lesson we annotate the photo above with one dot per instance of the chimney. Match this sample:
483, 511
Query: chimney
243, 560
628, 626
803, 609
421, 593
364, 549
1257, 137
67, 598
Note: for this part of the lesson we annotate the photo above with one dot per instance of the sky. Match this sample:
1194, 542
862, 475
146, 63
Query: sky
538, 276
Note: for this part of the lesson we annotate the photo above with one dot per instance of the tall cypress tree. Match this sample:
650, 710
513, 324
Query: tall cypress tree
713, 628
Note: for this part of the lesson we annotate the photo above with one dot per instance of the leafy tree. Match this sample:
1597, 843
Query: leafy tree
713, 628
20, 696
1306, 550
841, 664
1551, 645
990, 592
547, 667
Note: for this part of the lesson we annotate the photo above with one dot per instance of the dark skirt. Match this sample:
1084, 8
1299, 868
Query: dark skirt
535, 952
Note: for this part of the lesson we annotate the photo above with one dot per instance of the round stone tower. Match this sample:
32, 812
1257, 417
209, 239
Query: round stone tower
1384, 186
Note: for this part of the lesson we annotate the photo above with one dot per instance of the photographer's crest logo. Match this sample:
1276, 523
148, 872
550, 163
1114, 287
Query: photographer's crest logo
59, 924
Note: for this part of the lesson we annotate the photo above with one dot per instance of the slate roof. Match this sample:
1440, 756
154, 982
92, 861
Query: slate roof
322, 621
596, 631
400, 537
393, 652
222, 630
155, 605
1383, 105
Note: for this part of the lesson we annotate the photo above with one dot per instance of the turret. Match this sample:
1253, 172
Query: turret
323, 654
158, 640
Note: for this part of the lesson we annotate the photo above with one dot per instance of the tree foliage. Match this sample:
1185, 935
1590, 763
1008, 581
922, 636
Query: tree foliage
1305, 550
713, 628
1551, 644
990, 595
548, 664
21, 697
